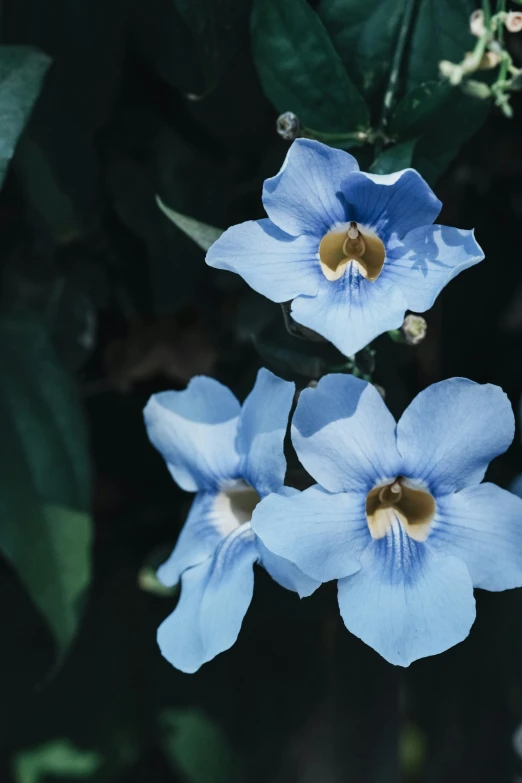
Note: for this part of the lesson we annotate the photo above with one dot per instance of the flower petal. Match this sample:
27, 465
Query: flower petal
195, 430
261, 432
391, 204
323, 534
483, 527
351, 311
305, 196
273, 263
345, 435
205, 527
406, 602
451, 432
285, 573
426, 259
215, 596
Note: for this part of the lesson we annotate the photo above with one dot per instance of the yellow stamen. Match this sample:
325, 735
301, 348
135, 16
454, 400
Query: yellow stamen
413, 507
341, 246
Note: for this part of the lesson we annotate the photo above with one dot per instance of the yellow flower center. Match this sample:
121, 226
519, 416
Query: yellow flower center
413, 507
342, 246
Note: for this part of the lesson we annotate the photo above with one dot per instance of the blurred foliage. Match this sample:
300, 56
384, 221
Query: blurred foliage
109, 108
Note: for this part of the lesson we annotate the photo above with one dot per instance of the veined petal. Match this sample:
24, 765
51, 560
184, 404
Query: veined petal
261, 432
406, 602
391, 204
451, 432
285, 573
351, 311
305, 196
195, 431
426, 259
483, 527
345, 435
323, 534
197, 540
273, 263
215, 596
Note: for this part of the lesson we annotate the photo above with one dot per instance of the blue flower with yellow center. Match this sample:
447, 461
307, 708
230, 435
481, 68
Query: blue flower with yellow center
231, 456
352, 250
400, 516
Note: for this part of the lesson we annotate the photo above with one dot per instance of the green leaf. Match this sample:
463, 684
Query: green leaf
197, 748
449, 129
44, 482
300, 70
218, 27
22, 70
440, 32
414, 113
202, 234
394, 158
364, 34
58, 757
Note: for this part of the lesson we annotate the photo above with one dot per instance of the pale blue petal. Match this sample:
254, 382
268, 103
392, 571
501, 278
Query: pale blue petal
305, 196
215, 596
483, 526
451, 432
273, 263
425, 260
406, 602
344, 435
285, 573
261, 432
195, 430
351, 311
199, 537
323, 534
390, 204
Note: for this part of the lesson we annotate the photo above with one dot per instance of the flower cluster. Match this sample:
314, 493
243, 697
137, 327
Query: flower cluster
399, 515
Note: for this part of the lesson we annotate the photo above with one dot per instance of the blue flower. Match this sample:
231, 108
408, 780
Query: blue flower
400, 517
231, 457
352, 250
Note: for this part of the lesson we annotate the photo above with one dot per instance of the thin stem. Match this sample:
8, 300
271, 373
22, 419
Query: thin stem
393, 79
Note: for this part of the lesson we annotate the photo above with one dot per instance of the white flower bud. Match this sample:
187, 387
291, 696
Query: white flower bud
452, 72
414, 329
513, 21
476, 89
489, 61
476, 23
288, 126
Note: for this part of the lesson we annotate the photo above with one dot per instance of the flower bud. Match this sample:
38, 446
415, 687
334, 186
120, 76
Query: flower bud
513, 21
288, 126
476, 23
489, 61
476, 89
414, 329
452, 72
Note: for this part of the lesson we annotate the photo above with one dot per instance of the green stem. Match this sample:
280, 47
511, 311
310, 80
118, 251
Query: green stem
389, 96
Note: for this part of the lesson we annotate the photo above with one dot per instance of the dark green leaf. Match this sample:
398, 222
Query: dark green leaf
300, 70
58, 757
163, 38
440, 32
414, 113
218, 27
364, 34
202, 234
449, 129
44, 483
197, 748
394, 158
22, 70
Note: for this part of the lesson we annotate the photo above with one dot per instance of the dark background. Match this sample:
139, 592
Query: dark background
128, 308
